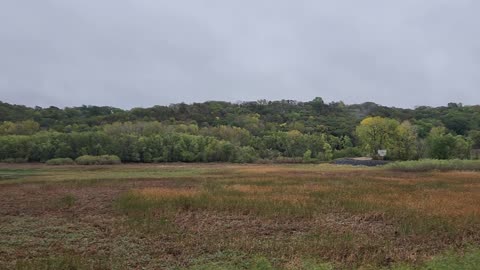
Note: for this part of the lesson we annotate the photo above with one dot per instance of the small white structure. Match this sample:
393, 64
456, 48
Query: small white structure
382, 152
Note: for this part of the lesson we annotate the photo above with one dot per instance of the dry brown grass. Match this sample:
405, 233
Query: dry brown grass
432, 202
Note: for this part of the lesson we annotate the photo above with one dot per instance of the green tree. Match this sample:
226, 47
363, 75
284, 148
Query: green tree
328, 151
474, 136
443, 145
307, 156
405, 145
27, 127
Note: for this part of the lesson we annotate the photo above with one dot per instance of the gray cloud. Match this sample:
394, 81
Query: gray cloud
131, 53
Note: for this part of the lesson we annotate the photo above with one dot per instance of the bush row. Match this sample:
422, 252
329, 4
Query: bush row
60, 161
86, 160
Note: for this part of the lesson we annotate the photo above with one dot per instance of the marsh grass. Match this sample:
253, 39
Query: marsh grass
285, 214
97, 174
416, 208
11, 174
469, 260
231, 260
66, 262
214, 196
142, 215
66, 201
434, 165
226, 260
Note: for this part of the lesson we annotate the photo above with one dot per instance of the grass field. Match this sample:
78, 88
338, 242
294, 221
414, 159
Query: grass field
222, 216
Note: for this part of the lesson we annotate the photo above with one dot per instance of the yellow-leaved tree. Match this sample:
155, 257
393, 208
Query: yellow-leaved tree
405, 146
377, 133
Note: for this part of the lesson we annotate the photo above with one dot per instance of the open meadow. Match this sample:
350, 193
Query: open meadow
227, 216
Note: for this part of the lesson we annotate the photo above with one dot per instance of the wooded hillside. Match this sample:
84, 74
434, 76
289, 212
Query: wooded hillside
282, 131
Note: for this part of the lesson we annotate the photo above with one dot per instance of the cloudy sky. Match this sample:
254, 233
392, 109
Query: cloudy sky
132, 53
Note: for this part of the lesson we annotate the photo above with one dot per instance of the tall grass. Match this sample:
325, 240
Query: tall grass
213, 196
425, 165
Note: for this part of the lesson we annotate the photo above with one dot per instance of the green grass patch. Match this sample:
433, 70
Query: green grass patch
470, 260
231, 260
425, 165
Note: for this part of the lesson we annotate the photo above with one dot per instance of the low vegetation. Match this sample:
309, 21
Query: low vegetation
434, 165
469, 261
98, 160
60, 161
219, 216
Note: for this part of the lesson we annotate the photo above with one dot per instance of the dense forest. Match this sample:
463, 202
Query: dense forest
260, 131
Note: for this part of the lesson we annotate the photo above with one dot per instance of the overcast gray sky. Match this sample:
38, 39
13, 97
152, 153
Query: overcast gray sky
132, 53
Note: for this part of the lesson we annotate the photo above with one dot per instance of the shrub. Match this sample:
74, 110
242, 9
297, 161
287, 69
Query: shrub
98, 160
60, 161
433, 164
347, 153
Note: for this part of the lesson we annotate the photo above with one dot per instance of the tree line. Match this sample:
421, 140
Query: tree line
282, 131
